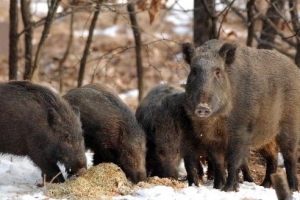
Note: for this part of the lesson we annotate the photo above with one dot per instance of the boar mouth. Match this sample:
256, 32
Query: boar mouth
79, 172
203, 110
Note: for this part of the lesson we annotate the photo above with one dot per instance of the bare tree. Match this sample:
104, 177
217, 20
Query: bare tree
88, 44
26, 17
268, 33
138, 43
13, 40
204, 21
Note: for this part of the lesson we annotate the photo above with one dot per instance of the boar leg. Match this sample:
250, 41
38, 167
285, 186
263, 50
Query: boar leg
193, 168
246, 171
287, 141
270, 153
238, 146
217, 159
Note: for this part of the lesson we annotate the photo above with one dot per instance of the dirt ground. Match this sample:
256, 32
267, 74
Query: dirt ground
112, 57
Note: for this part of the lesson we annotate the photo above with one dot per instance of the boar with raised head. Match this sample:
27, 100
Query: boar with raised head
110, 129
257, 91
38, 123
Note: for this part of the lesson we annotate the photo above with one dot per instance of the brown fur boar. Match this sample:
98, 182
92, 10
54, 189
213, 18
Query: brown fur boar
38, 123
172, 134
258, 93
110, 129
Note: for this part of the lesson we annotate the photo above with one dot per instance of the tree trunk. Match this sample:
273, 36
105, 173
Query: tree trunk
268, 33
250, 14
204, 21
137, 37
13, 40
87, 45
296, 27
26, 17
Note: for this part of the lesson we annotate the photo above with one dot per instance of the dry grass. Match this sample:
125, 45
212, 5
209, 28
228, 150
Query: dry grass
103, 182
105, 179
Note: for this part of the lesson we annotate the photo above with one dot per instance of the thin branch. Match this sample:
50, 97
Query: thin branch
65, 56
137, 38
87, 46
49, 19
227, 10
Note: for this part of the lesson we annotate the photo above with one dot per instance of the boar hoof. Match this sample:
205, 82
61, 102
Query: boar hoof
234, 188
266, 184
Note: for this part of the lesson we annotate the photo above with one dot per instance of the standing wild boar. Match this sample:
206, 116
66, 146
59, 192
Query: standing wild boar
172, 134
110, 129
36, 122
257, 91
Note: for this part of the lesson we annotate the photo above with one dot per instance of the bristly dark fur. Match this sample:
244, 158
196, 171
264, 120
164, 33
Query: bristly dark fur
38, 123
110, 129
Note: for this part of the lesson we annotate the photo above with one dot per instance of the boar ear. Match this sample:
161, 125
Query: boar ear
53, 116
227, 51
76, 111
188, 51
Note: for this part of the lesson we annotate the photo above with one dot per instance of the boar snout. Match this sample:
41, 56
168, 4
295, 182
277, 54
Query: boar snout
81, 171
139, 176
203, 110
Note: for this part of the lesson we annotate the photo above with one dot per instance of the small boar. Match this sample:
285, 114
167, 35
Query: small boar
110, 129
256, 91
172, 134
38, 123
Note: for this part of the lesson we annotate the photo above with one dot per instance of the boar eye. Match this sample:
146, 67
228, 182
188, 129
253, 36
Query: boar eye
217, 72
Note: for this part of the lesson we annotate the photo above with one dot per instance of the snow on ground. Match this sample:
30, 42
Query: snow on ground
19, 177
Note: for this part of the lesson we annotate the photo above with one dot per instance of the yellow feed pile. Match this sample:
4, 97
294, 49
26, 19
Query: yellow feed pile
154, 181
105, 179
103, 182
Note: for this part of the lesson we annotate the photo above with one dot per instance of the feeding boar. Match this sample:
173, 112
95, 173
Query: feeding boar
258, 93
110, 129
158, 114
38, 123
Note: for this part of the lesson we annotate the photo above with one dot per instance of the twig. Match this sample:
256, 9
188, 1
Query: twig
55, 177
227, 10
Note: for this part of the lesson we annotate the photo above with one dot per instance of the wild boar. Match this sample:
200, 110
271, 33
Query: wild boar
110, 129
256, 91
38, 123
